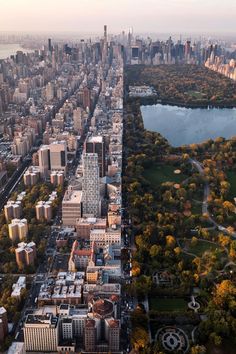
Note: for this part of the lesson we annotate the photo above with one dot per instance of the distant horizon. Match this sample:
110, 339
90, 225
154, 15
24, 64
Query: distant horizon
151, 16
93, 34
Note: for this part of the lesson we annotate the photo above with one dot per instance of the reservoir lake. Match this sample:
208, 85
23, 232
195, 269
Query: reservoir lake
183, 126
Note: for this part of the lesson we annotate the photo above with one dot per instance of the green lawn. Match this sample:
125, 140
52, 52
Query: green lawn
231, 176
163, 173
199, 248
167, 304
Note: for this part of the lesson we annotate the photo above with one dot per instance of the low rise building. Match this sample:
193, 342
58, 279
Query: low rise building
65, 289
18, 287
85, 225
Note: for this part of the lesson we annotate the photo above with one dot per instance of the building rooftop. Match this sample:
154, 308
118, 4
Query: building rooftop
90, 323
41, 319
72, 197
2, 310
102, 308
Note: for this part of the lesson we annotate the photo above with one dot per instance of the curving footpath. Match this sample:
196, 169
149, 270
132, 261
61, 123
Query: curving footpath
205, 211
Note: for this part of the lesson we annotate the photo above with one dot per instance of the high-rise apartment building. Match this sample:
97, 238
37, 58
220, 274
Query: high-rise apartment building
112, 334
49, 91
95, 144
90, 335
12, 210
52, 157
25, 254
41, 333
77, 118
18, 229
44, 160
58, 155
90, 185
86, 98
71, 207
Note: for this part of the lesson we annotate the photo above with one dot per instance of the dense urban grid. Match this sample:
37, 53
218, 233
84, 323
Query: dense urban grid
79, 221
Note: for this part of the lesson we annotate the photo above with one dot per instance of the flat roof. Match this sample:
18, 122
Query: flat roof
73, 197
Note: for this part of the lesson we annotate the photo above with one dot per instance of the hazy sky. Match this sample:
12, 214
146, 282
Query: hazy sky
142, 15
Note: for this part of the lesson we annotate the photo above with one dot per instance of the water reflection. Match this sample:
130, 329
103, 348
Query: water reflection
186, 126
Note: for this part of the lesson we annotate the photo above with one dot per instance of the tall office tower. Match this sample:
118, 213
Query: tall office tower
77, 118
49, 45
105, 45
3, 324
58, 155
90, 185
44, 160
41, 333
105, 32
96, 145
86, 98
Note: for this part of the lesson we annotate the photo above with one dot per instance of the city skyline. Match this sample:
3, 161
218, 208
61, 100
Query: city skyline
165, 16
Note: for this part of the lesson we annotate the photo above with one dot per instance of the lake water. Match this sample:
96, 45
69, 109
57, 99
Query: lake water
182, 126
6, 50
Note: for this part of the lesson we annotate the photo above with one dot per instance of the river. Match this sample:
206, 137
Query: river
6, 50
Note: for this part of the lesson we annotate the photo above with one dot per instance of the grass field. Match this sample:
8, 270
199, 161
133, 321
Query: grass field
163, 173
196, 94
231, 176
199, 248
167, 305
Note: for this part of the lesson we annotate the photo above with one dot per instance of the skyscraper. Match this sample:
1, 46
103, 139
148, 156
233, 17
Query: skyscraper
104, 51
95, 144
49, 45
90, 185
44, 160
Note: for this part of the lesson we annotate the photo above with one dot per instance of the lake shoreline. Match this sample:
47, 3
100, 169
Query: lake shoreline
152, 101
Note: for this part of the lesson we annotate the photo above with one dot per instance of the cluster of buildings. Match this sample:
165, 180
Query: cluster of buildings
156, 52
65, 327
72, 99
222, 66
